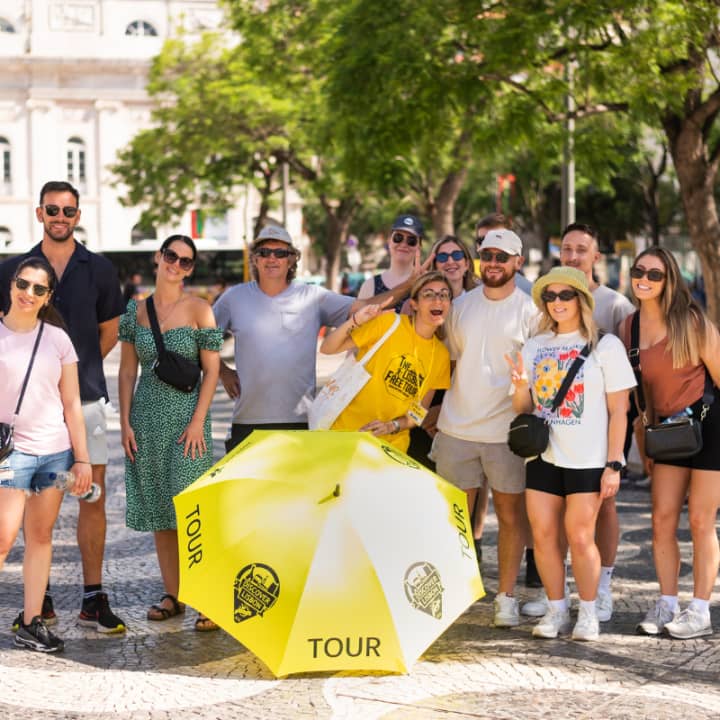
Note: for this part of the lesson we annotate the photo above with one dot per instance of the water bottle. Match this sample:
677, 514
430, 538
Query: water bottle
65, 480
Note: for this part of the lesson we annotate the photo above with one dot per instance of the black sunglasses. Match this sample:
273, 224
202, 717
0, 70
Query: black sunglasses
411, 240
490, 256
456, 255
549, 296
68, 211
171, 257
279, 253
654, 275
38, 290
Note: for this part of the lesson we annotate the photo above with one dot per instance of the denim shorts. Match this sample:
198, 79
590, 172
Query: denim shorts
32, 472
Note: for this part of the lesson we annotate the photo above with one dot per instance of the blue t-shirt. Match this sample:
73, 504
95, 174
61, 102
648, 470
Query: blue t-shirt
87, 294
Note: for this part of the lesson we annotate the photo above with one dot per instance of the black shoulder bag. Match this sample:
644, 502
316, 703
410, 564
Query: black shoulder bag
6, 429
675, 438
171, 367
529, 434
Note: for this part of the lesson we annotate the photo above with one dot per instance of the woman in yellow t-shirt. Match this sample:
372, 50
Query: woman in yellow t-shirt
407, 369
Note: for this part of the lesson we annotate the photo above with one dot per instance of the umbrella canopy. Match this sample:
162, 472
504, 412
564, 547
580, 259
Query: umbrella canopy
326, 551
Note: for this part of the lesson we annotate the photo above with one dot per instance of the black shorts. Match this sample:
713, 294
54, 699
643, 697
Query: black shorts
545, 477
239, 432
709, 457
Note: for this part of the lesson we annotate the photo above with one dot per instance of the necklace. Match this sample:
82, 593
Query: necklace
163, 320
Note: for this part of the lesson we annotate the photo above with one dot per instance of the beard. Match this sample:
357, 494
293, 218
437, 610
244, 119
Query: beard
59, 235
495, 282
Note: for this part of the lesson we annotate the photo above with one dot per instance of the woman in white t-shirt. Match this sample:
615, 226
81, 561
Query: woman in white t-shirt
582, 463
49, 435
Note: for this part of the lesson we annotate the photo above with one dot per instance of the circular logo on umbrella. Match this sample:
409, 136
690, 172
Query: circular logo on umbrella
423, 588
257, 588
399, 457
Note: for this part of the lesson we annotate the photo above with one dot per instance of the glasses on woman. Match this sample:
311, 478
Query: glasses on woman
490, 256
279, 253
654, 275
428, 294
411, 240
456, 255
37, 290
171, 257
549, 296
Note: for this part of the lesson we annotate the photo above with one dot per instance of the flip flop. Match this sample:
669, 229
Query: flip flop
158, 613
205, 624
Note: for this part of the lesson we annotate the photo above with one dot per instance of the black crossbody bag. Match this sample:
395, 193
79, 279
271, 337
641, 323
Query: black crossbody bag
529, 434
7, 444
171, 367
674, 439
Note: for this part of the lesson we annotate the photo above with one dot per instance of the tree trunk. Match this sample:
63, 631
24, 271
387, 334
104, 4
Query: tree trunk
443, 210
338, 218
696, 177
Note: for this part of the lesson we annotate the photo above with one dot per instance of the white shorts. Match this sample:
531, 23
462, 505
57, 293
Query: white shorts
96, 429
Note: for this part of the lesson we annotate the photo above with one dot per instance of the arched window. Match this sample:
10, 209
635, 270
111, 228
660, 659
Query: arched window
6, 26
5, 166
5, 237
76, 170
142, 232
140, 27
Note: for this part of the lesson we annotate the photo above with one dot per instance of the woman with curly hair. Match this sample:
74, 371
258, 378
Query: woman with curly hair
678, 349
581, 465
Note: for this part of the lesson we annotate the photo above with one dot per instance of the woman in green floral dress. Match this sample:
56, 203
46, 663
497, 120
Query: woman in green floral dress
166, 432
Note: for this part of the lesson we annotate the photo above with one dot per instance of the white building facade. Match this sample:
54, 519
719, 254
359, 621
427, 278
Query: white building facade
72, 93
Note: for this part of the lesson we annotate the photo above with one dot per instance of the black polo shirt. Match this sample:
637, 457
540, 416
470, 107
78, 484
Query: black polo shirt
88, 294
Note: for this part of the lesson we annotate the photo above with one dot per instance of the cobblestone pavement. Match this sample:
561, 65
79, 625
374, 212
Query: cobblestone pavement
159, 671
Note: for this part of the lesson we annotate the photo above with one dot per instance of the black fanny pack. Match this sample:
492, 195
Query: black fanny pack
171, 367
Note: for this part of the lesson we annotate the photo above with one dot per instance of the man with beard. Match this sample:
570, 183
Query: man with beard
471, 447
89, 299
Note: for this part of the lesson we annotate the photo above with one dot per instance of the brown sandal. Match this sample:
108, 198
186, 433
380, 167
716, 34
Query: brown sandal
205, 624
159, 613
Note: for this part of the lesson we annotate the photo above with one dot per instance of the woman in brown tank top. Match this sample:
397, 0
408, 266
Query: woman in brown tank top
677, 344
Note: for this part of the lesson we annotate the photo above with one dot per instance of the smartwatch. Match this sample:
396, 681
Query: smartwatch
614, 465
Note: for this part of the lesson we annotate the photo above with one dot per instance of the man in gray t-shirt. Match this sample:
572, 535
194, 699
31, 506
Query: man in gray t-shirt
275, 323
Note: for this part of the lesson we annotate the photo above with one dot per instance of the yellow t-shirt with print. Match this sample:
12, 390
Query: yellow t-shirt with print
402, 371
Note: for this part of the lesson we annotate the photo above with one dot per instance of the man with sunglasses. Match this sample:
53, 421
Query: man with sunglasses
89, 298
275, 323
404, 249
471, 446
580, 249
499, 221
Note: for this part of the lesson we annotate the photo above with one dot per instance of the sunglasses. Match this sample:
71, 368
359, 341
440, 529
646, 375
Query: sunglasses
456, 255
37, 290
68, 211
279, 253
653, 275
549, 296
490, 256
428, 294
411, 240
171, 257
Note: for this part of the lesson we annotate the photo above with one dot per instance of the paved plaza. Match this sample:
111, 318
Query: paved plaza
159, 671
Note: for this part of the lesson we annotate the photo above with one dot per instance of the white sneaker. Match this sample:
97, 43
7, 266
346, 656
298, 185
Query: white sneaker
604, 606
554, 623
535, 608
587, 626
690, 623
657, 618
507, 611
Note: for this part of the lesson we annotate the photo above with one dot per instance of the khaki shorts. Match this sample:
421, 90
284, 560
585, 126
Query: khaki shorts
467, 464
96, 429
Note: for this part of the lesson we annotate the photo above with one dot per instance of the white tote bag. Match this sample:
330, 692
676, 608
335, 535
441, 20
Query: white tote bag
342, 386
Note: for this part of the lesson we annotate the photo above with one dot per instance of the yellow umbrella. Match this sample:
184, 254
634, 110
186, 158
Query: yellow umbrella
326, 551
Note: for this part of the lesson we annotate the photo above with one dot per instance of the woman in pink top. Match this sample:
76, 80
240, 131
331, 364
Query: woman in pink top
678, 345
49, 436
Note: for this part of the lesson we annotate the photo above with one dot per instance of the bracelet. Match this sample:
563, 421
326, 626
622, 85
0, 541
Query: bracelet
82, 462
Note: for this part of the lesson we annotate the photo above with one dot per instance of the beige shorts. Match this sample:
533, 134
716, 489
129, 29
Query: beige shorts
467, 464
96, 429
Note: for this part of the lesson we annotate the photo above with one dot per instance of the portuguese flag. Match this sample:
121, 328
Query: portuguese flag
197, 218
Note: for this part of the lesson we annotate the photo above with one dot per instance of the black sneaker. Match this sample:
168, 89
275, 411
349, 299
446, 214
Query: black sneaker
48, 614
96, 613
36, 636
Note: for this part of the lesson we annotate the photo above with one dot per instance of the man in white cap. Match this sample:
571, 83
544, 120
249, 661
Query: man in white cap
471, 445
275, 323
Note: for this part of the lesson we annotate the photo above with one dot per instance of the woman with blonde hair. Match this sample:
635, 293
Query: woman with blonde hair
407, 368
679, 361
582, 462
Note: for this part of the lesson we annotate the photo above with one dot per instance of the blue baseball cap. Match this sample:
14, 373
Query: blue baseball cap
410, 224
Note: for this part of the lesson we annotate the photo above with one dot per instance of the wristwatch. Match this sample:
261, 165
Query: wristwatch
396, 426
614, 465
